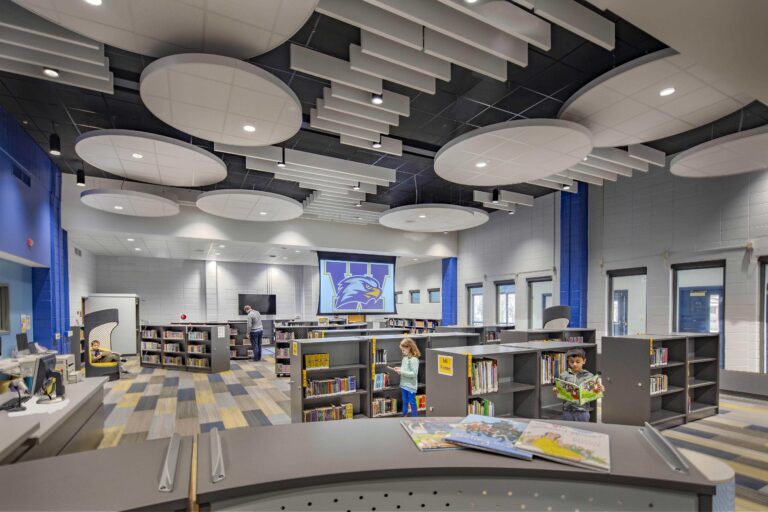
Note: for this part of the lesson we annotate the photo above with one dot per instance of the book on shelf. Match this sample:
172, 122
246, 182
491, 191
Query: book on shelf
428, 434
495, 435
659, 356
330, 413
659, 383
282, 352
173, 335
380, 356
331, 386
198, 362
560, 443
384, 407
172, 347
196, 349
233, 331
174, 360
316, 360
284, 335
283, 368
574, 339
250, 353
380, 381
421, 402
491, 336
149, 358
485, 378
580, 394
481, 406
233, 353
150, 345
197, 336
551, 366
149, 333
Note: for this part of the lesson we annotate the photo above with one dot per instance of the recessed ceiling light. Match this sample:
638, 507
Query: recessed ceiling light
359, 218
262, 213
249, 128
356, 187
415, 259
137, 249
221, 246
285, 257
667, 91
480, 165
566, 187
445, 232
511, 212
50, 72
358, 205
93, 2
118, 207
297, 251
377, 99
422, 216
217, 253
470, 1
130, 240
585, 158
137, 156
376, 145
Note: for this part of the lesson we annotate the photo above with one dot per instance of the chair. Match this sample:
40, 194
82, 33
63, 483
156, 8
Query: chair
98, 327
557, 317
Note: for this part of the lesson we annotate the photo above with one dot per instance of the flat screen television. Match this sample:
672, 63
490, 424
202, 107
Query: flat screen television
264, 304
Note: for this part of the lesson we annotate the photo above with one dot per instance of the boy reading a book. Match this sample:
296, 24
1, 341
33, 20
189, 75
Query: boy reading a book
576, 374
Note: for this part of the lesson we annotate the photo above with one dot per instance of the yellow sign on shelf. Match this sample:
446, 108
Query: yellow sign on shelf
295, 348
304, 378
469, 365
445, 365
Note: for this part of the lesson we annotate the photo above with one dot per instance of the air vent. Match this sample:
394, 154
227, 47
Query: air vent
22, 175
78, 252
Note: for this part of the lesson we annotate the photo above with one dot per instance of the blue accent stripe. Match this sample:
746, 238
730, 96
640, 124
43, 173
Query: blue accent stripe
574, 253
449, 292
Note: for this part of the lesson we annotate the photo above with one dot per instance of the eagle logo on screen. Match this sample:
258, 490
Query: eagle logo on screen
357, 291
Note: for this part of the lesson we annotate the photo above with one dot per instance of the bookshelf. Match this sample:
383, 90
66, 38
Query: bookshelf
193, 347
572, 335
488, 334
284, 335
374, 331
414, 325
239, 341
687, 363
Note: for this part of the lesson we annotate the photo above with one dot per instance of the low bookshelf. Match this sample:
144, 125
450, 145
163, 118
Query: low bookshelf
488, 334
191, 347
666, 380
239, 341
571, 335
414, 325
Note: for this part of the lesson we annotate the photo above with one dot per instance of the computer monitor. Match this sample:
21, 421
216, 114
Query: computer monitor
22, 343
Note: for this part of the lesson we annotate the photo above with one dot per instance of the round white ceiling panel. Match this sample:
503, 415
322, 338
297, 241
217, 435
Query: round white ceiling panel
737, 153
655, 96
157, 28
129, 202
513, 152
433, 218
221, 99
151, 158
251, 205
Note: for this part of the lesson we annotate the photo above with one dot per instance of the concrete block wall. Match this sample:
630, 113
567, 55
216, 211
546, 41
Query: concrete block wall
82, 280
422, 277
510, 247
656, 219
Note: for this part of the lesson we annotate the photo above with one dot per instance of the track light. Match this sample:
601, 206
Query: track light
80, 178
51, 73
377, 99
356, 187
54, 145
495, 196
281, 163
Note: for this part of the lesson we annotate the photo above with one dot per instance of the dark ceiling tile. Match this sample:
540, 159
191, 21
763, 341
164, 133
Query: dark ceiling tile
463, 110
546, 109
433, 103
491, 116
519, 100
554, 78
490, 91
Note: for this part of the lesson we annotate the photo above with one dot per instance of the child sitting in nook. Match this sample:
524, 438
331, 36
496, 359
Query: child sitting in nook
99, 355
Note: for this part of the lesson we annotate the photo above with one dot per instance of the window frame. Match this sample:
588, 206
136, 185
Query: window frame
470, 287
498, 285
410, 296
399, 297
430, 291
624, 272
529, 285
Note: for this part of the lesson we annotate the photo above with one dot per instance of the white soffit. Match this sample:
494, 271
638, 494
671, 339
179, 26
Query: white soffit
508, 18
737, 153
249, 205
577, 19
240, 29
595, 172
415, 60
647, 154
505, 197
356, 109
386, 70
339, 128
393, 102
215, 97
452, 23
388, 145
446, 48
433, 218
586, 178
373, 20
513, 152
150, 158
625, 105
129, 202
333, 69
348, 119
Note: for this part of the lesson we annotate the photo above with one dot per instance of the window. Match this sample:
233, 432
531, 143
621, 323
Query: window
475, 309
415, 296
398, 297
434, 295
5, 308
505, 299
627, 301
699, 301
539, 299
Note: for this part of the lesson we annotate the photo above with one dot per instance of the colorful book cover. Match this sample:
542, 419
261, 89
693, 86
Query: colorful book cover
428, 434
584, 393
495, 435
569, 445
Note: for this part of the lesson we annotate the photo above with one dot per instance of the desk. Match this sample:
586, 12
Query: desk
15, 433
78, 426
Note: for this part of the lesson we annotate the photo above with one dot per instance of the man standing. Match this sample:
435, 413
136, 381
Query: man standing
255, 330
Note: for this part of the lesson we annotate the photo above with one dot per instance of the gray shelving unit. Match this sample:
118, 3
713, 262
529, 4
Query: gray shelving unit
488, 334
415, 325
692, 370
373, 331
239, 342
565, 335
210, 345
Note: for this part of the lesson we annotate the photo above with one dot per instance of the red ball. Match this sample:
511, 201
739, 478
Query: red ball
183, 316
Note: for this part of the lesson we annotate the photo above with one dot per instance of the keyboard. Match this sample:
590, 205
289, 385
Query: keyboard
14, 402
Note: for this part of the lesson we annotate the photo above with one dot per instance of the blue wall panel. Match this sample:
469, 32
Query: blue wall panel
574, 252
19, 280
449, 298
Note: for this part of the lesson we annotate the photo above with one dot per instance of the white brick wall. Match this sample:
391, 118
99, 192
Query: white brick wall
82, 281
422, 277
654, 220
518, 247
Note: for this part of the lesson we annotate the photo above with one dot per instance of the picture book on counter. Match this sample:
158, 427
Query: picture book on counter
574, 446
496, 435
587, 391
428, 434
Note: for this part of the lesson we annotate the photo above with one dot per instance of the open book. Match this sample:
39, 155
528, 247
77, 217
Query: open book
489, 434
429, 433
574, 446
581, 394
